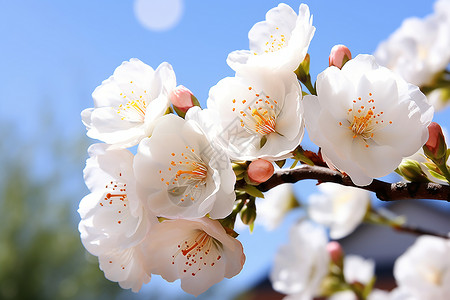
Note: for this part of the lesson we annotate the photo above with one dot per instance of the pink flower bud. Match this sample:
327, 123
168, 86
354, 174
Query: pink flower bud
260, 170
181, 98
339, 55
336, 252
435, 147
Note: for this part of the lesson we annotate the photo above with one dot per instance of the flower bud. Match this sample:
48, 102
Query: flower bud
260, 170
248, 213
339, 55
182, 99
411, 171
336, 253
435, 148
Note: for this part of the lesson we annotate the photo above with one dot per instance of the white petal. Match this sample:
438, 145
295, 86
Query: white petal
197, 262
125, 267
174, 148
358, 269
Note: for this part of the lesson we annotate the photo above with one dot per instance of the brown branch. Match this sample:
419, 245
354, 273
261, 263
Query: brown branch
384, 191
418, 231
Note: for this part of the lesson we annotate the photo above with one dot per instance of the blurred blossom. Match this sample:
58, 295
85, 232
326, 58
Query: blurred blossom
338, 207
276, 204
343, 295
442, 9
280, 42
301, 265
418, 50
358, 269
376, 294
439, 98
360, 118
424, 269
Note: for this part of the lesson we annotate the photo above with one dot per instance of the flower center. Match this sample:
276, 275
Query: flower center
275, 41
432, 275
364, 119
116, 199
360, 124
199, 250
188, 174
259, 115
135, 108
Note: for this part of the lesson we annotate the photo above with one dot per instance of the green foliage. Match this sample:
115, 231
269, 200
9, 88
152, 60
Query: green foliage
41, 255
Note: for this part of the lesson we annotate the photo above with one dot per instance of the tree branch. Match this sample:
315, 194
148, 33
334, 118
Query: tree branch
383, 190
418, 231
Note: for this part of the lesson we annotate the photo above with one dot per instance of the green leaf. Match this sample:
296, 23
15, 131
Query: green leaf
179, 112
438, 176
431, 166
251, 227
195, 101
294, 163
253, 191
299, 154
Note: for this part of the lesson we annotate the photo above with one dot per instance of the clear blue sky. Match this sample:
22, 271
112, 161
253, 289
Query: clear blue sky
54, 54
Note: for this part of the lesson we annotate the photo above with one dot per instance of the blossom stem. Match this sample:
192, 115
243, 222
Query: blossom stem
384, 191
444, 169
308, 84
374, 217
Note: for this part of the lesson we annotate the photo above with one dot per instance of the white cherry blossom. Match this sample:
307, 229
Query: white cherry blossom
418, 50
301, 265
113, 221
181, 174
279, 42
257, 114
197, 251
439, 98
424, 269
376, 294
276, 204
358, 269
338, 207
127, 104
366, 119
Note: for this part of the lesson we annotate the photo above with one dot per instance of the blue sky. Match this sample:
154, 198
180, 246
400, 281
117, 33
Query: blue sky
54, 54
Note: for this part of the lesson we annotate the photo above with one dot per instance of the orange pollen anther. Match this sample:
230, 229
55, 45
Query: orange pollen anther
198, 173
265, 125
360, 124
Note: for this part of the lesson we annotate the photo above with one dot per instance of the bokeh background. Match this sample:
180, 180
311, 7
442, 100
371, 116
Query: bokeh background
53, 55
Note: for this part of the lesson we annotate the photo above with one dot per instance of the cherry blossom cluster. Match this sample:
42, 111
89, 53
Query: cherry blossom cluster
168, 179
418, 51
309, 266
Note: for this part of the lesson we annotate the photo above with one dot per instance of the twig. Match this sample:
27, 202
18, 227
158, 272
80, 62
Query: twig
417, 231
384, 191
